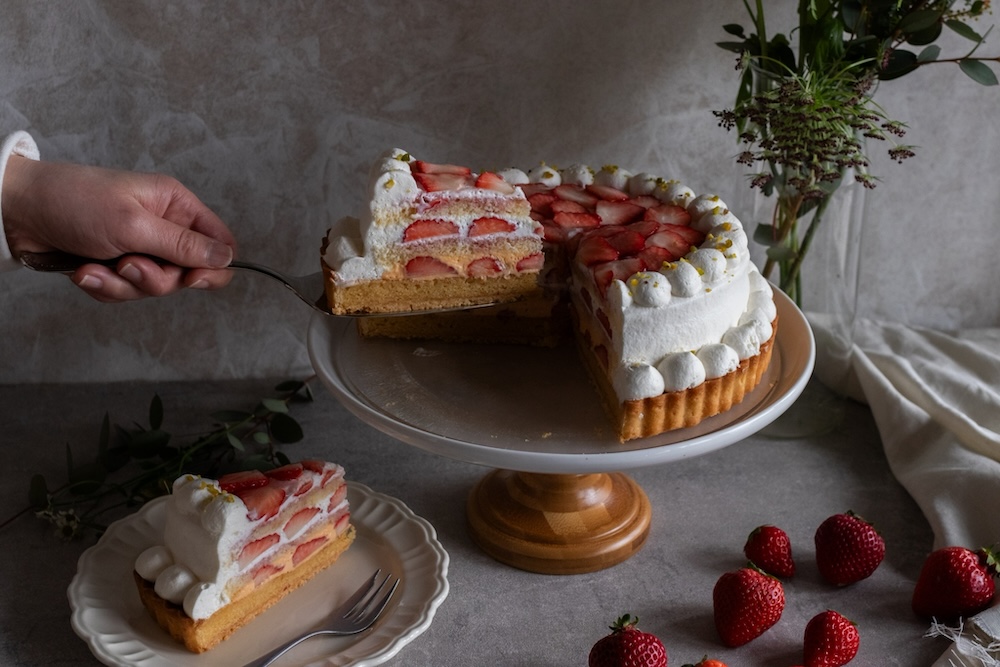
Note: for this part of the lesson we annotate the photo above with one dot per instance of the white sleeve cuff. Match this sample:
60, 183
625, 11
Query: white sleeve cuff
19, 143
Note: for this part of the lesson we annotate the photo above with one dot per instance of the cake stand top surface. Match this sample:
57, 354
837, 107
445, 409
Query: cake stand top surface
525, 408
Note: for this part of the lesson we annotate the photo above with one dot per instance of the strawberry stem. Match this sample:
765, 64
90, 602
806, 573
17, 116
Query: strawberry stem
624, 622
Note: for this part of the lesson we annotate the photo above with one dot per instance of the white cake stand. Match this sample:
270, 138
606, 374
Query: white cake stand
532, 413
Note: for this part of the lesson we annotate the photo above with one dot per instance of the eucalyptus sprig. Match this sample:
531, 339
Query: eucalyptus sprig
823, 86
134, 464
804, 107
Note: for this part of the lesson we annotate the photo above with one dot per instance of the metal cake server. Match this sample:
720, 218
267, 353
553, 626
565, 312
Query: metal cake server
305, 288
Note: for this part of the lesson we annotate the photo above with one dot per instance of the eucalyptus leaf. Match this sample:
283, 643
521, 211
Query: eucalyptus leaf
764, 234
780, 253
285, 429
929, 54
925, 36
235, 442
734, 29
901, 62
261, 438
274, 405
156, 412
964, 30
303, 395
978, 71
919, 20
256, 462
735, 47
850, 14
38, 492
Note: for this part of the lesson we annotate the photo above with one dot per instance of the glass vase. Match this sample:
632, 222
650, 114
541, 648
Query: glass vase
825, 286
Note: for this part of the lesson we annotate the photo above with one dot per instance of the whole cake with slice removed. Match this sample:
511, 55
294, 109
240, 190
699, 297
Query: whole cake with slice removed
672, 319
232, 547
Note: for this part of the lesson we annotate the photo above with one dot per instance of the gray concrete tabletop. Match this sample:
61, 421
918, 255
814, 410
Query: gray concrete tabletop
703, 508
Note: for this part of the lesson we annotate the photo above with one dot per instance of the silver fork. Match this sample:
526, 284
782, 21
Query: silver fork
308, 288
358, 613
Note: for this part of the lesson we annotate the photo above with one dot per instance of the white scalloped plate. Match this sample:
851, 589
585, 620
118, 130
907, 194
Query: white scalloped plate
108, 615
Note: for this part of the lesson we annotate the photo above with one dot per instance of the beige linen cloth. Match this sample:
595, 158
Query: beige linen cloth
935, 397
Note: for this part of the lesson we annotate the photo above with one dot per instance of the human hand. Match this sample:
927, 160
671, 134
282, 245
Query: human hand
103, 214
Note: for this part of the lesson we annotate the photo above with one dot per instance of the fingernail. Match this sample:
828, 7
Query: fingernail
199, 284
90, 282
219, 255
130, 273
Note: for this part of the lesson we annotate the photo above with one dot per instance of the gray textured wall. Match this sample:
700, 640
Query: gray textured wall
272, 111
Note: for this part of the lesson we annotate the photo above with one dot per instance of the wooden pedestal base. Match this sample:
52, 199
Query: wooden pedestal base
558, 524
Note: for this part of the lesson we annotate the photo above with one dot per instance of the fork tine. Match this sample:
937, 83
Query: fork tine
376, 605
360, 609
352, 603
379, 607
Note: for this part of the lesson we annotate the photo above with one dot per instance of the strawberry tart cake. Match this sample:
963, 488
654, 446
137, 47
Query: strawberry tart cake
232, 547
673, 320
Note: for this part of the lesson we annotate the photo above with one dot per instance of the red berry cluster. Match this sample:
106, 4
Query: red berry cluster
749, 601
954, 582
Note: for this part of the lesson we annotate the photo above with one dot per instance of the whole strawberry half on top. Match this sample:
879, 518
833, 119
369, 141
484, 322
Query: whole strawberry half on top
769, 548
745, 603
627, 646
955, 582
848, 549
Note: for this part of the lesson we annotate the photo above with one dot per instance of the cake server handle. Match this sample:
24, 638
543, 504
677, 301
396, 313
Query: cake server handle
358, 613
309, 288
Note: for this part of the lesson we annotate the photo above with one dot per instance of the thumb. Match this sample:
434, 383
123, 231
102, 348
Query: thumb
186, 247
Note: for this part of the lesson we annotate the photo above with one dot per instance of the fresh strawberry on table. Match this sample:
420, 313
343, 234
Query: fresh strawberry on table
746, 602
955, 582
769, 548
707, 662
627, 646
830, 640
848, 549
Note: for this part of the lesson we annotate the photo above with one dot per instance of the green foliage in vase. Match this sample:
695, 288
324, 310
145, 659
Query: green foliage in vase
805, 112
133, 464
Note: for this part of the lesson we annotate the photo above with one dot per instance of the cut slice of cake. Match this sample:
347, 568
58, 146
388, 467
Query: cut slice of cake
433, 236
232, 547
